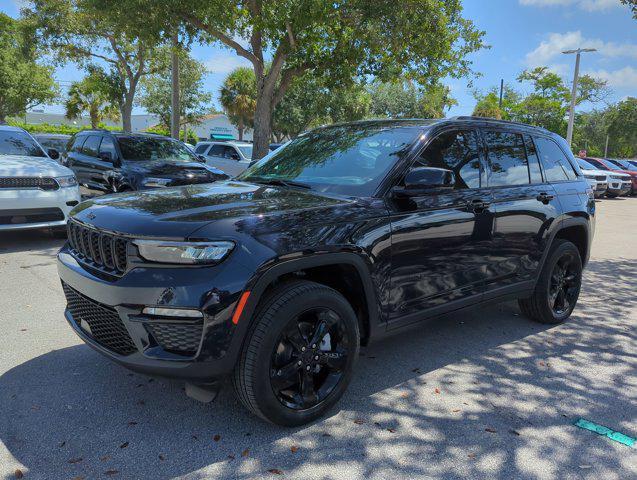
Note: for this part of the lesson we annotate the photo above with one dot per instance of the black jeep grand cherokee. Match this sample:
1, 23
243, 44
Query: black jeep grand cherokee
347, 234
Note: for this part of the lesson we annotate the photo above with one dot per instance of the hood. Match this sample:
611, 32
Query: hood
25, 166
621, 173
170, 169
592, 171
178, 212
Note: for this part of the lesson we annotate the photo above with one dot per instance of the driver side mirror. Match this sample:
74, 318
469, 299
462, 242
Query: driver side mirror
423, 180
53, 153
200, 158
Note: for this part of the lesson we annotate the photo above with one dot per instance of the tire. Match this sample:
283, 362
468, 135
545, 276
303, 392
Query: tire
255, 378
541, 306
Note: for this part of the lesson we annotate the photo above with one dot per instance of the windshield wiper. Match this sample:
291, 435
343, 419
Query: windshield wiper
279, 182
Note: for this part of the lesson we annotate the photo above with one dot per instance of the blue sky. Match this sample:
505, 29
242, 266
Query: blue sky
522, 34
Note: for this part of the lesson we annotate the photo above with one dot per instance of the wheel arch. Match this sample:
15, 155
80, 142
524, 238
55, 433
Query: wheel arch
347, 273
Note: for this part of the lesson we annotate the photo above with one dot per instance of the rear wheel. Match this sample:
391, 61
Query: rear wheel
299, 355
558, 286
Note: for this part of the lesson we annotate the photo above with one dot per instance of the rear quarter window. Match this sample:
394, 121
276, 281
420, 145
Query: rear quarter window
556, 166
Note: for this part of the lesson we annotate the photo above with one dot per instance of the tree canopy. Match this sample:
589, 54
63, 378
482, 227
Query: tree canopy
24, 83
238, 97
343, 39
194, 100
82, 32
93, 96
403, 98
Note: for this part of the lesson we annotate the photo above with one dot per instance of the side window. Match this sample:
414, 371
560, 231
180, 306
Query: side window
507, 159
108, 146
216, 151
201, 149
91, 146
77, 144
231, 154
458, 151
534, 162
555, 164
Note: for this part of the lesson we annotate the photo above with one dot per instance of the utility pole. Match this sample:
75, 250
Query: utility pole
606, 147
571, 116
501, 90
174, 104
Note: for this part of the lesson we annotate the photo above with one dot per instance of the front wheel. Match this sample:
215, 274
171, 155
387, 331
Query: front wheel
557, 287
299, 355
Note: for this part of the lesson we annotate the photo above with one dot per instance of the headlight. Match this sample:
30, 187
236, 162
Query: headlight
68, 181
183, 252
590, 177
156, 182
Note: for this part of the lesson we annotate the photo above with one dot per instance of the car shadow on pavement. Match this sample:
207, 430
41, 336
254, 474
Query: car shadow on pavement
481, 393
35, 242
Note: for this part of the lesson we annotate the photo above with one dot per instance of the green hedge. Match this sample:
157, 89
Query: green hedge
63, 129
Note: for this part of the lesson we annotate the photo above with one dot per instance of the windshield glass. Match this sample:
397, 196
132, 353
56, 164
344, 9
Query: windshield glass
344, 159
597, 164
58, 144
616, 163
148, 148
19, 143
585, 165
246, 150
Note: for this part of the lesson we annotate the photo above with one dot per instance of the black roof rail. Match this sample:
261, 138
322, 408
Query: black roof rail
495, 120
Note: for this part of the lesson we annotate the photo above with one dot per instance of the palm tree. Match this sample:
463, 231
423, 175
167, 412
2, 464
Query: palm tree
238, 97
92, 95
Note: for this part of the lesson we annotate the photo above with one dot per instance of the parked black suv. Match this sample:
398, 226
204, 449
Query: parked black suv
349, 233
107, 162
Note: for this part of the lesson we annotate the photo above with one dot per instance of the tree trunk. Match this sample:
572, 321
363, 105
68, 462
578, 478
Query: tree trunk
94, 116
174, 101
3, 118
127, 111
262, 125
240, 128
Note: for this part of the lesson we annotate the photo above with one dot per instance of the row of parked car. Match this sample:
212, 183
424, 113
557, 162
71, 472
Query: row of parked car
96, 162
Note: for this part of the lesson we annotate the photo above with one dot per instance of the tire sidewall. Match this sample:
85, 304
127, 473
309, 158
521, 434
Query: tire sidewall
562, 249
267, 402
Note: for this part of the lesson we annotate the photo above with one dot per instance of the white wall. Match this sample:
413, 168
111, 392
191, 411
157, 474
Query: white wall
219, 124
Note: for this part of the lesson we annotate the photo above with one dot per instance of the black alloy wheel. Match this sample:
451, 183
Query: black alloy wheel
309, 358
564, 284
299, 354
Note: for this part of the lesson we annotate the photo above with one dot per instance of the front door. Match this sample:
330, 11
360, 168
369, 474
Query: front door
442, 241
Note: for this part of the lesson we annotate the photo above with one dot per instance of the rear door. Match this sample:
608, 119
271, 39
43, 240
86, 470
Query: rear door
442, 241
525, 206
225, 158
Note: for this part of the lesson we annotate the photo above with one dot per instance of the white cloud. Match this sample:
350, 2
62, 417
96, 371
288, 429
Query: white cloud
588, 5
551, 48
623, 78
225, 63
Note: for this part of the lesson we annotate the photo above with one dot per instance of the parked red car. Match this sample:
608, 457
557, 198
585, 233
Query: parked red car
629, 184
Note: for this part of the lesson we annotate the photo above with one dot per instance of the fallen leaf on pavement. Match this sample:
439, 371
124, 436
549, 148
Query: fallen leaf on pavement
437, 390
275, 471
391, 430
105, 457
111, 472
216, 438
62, 444
514, 432
472, 455
404, 394
124, 445
18, 473
161, 457
245, 453
231, 457
456, 410
130, 424
358, 421
294, 449
490, 430
75, 460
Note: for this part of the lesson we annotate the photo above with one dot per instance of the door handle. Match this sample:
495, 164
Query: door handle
545, 198
478, 205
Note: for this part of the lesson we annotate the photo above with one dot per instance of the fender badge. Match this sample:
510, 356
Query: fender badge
91, 216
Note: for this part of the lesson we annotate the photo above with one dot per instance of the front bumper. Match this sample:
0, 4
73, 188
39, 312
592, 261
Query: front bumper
218, 343
34, 208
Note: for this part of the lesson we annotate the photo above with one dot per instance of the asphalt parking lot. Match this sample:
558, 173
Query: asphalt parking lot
481, 394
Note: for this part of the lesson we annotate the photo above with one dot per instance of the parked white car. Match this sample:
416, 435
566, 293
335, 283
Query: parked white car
35, 190
597, 179
230, 157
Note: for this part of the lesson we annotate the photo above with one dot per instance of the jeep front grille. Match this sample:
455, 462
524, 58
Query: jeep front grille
99, 250
22, 183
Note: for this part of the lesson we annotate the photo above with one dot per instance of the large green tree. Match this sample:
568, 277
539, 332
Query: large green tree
93, 96
24, 82
341, 39
194, 100
404, 98
632, 4
238, 97
83, 32
622, 128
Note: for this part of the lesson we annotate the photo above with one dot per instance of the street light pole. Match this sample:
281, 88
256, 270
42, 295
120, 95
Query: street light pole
571, 116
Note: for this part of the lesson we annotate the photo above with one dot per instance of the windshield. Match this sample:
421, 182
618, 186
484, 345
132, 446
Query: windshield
345, 159
148, 148
19, 143
58, 144
596, 164
586, 166
624, 164
246, 151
